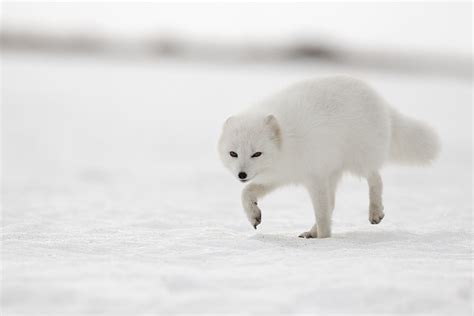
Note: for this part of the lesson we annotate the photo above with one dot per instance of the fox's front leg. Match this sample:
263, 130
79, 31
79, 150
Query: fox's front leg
250, 195
321, 197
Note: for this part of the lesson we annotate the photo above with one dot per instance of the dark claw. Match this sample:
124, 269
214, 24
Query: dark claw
376, 221
255, 226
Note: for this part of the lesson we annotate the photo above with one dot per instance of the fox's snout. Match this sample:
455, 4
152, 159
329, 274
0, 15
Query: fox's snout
243, 177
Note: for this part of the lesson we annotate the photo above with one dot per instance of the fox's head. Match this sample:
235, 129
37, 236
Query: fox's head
249, 145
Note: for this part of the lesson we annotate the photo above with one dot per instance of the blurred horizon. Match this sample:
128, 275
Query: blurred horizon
336, 33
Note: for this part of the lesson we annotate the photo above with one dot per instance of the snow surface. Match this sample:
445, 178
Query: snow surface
114, 201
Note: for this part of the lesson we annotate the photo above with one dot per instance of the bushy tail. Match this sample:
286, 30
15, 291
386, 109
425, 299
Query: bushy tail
413, 141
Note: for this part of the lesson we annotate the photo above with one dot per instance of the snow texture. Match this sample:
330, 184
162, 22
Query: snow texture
114, 201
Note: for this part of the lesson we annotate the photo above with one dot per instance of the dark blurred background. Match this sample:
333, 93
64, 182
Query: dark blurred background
428, 38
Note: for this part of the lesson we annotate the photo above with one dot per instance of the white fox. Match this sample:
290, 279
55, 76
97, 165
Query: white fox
314, 131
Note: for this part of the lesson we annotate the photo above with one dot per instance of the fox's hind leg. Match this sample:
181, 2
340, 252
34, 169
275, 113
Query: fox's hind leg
376, 213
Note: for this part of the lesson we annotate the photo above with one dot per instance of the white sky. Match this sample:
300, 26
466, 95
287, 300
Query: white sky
439, 27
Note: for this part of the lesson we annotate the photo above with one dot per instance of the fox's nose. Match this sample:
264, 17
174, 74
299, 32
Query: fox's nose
242, 175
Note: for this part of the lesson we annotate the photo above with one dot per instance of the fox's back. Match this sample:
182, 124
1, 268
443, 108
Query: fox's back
336, 120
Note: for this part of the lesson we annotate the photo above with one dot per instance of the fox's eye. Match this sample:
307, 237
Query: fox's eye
233, 154
257, 154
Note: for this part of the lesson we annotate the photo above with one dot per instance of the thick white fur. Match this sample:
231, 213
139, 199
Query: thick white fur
313, 132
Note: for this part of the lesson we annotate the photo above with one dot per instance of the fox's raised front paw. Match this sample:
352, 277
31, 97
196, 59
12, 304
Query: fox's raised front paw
376, 217
254, 215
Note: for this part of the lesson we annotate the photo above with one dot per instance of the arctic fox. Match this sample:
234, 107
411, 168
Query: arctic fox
313, 132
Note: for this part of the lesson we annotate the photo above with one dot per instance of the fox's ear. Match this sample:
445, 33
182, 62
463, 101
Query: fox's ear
272, 123
228, 122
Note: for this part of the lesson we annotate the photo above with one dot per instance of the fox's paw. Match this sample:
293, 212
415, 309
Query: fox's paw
310, 234
376, 216
307, 235
254, 215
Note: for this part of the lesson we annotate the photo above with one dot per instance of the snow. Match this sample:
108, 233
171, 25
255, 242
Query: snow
114, 201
